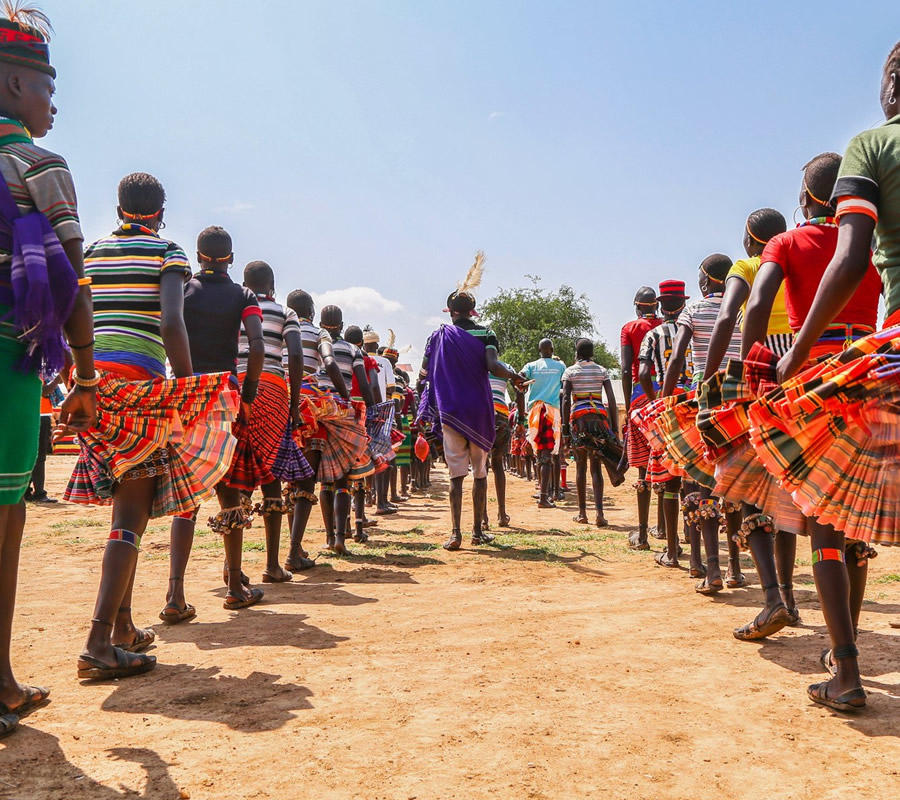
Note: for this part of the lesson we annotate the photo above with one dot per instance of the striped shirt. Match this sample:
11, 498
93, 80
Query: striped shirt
311, 336
656, 350
38, 179
587, 379
125, 269
498, 390
700, 319
277, 322
348, 356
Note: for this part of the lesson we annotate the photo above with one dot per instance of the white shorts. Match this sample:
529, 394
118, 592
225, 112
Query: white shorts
459, 452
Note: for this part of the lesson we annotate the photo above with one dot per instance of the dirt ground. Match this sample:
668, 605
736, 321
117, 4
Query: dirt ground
557, 664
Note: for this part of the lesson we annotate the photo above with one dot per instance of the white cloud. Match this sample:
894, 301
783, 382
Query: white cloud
358, 300
494, 115
235, 208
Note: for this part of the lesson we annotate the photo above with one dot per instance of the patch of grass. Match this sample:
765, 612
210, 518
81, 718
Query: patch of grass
78, 522
253, 547
891, 577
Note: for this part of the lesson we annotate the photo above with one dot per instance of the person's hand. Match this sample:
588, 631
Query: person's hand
519, 382
295, 417
77, 413
790, 364
520, 429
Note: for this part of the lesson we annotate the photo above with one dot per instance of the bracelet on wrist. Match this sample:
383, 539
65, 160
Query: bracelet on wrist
82, 346
86, 383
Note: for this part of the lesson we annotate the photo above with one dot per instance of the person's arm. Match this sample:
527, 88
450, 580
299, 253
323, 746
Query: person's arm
375, 385
293, 341
332, 369
676, 363
499, 370
365, 388
627, 383
612, 407
645, 378
256, 357
566, 406
759, 306
79, 410
842, 278
736, 292
171, 323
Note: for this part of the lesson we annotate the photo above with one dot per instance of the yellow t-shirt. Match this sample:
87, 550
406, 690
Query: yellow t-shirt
746, 269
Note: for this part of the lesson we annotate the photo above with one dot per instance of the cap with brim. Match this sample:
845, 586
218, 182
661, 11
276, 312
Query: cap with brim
673, 289
24, 48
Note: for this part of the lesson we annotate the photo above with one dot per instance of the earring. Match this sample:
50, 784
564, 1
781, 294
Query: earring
798, 208
162, 225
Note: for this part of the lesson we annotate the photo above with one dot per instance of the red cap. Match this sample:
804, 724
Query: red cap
672, 289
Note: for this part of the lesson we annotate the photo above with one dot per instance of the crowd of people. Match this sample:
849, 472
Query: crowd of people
767, 408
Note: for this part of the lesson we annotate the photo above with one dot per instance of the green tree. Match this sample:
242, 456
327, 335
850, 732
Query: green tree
522, 317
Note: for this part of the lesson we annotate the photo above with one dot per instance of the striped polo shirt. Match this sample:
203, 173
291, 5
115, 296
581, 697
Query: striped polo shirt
700, 319
587, 379
125, 270
277, 322
312, 336
38, 179
498, 390
656, 350
347, 357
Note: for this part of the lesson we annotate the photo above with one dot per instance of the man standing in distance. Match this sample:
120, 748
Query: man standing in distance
454, 377
544, 417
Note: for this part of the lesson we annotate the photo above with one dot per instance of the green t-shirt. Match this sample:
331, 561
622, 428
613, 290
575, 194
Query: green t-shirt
869, 183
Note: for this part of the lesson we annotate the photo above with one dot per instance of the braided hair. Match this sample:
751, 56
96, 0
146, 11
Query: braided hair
819, 176
765, 223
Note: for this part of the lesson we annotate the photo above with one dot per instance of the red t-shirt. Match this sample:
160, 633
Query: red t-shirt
370, 365
803, 255
633, 333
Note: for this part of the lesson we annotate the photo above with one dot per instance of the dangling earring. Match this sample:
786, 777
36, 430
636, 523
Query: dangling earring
162, 225
798, 208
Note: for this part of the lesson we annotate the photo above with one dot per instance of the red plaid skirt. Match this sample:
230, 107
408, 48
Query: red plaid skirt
177, 429
637, 445
831, 437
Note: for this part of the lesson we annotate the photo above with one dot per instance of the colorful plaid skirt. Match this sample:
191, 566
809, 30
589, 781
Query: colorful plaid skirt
544, 427
831, 437
591, 431
178, 430
273, 451
644, 419
685, 452
638, 448
333, 426
379, 427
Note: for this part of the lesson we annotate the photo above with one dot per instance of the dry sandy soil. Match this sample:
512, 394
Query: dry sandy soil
557, 664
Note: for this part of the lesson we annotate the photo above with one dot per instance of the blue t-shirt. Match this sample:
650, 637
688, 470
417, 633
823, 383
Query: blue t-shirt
547, 376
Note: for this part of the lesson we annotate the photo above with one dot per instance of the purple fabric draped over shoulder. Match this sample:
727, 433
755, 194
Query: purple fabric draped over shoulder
39, 285
458, 388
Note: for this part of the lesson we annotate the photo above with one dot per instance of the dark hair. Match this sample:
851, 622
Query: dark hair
584, 348
354, 335
461, 303
214, 242
671, 305
140, 193
766, 223
301, 303
331, 317
892, 63
819, 176
716, 266
258, 276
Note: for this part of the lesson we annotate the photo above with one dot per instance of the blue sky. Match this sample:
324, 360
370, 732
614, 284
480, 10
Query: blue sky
367, 149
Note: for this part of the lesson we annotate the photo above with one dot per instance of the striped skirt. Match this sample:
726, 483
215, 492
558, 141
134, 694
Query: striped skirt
177, 429
334, 427
591, 431
831, 438
273, 453
379, 427
644, 419
637, 446
404, 452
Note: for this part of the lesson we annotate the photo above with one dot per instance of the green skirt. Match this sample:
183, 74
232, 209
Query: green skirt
20, 410
404, 452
